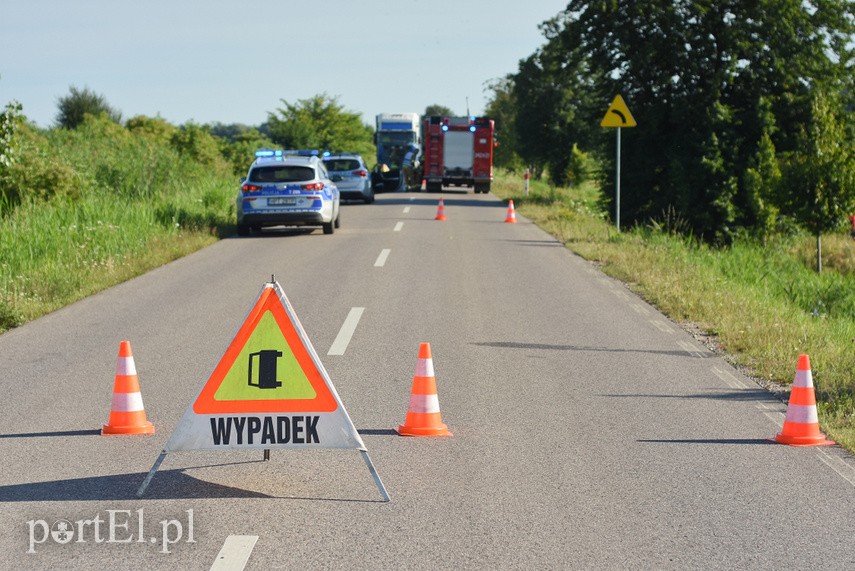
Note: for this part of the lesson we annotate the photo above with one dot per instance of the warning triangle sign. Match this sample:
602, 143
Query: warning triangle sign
267, 367
618, 115
268, 390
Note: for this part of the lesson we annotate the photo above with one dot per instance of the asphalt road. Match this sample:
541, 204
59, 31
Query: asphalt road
590, 432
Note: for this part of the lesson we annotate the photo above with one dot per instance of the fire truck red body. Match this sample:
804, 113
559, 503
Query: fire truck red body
458, 151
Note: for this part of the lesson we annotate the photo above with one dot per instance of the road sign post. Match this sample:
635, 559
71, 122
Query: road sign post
618, 116
617, 183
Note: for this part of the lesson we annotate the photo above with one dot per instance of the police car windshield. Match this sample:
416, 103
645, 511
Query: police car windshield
341, 164
281, 173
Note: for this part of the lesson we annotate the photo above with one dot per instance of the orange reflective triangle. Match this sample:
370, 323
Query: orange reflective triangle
270, 366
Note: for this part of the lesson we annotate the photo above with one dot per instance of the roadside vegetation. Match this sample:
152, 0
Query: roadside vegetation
92, 202
763, 304
83, 209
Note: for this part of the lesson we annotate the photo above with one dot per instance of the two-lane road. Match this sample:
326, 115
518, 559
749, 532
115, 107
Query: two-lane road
590, 432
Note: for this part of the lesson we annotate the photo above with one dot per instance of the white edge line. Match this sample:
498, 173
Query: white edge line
661, 326
235, 553
728, 379
828, 460
342, 340
690, 349
381, 259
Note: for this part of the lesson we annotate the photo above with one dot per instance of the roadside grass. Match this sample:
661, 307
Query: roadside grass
54, 254
764, 305
98, 206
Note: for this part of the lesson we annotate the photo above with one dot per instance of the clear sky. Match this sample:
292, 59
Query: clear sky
234, 61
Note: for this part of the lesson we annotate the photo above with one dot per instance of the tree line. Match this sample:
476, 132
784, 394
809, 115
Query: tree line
744, 110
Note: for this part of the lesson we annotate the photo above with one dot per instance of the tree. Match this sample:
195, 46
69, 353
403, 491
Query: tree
320, 123
78, 103
438, 110
819, 177
550, 89
239, 150
502, 108
10, 122
708, 82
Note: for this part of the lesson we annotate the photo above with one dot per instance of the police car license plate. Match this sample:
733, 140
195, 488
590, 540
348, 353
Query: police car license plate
281, 201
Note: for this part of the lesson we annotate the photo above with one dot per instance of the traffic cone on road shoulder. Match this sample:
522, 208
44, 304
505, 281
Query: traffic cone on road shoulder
127, 415
511, 218
801, 425
440, 211
423, 416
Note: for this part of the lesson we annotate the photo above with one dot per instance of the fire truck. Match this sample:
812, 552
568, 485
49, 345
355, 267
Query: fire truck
458, 151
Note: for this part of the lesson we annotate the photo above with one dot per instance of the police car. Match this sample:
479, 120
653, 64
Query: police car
351, 175
287, 188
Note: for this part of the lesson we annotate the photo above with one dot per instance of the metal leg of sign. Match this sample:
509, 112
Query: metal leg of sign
151, 472
266, 454
375, 475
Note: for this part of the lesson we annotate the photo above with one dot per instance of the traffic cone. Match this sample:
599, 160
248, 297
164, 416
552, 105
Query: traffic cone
127, 415
511, 218
801, 425
440, 211
423, 417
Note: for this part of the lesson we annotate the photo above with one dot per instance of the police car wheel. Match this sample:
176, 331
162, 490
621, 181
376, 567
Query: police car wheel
337, 223
328, 228
242, 230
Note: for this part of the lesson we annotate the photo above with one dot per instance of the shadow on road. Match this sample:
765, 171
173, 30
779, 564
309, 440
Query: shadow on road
736, 395
166, 485
48, 434
713, 441
551, 347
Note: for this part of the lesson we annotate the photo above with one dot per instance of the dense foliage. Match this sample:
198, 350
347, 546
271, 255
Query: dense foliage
320, 123
726, 95
73, 107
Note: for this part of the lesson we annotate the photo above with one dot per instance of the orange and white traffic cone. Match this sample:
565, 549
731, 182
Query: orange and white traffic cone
423, 416
511, 218
801, 425
127, 415
440, 211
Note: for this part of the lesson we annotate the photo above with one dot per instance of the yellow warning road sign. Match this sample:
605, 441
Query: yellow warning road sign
618, 115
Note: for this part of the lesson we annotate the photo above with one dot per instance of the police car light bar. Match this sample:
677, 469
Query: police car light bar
266, 153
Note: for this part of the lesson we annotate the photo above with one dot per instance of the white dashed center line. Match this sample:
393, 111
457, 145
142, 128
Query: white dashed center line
342, 340
398, 226
381, 259
234, 553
